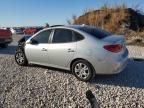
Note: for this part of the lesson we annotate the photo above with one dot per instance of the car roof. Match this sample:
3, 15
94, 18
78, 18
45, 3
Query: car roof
74, 26
69, 26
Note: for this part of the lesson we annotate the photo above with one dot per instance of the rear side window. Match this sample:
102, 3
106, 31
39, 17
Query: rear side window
98, 33
62, 36
43, 36
77, 36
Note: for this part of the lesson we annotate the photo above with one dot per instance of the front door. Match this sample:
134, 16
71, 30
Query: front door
37, 51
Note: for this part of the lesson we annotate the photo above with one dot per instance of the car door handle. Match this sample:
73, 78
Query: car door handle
44, 49
70, 50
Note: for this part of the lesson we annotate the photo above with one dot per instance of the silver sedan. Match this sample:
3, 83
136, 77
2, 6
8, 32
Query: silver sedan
84, 50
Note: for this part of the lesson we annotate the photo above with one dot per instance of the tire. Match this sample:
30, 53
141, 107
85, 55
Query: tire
83, 70
20, 58
3, 45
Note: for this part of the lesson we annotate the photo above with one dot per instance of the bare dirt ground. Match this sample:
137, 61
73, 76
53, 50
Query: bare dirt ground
43, 87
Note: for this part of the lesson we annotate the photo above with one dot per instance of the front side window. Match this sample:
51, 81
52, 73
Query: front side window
42, 37
62, 36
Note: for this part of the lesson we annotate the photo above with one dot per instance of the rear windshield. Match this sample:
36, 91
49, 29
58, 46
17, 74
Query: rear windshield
98, 33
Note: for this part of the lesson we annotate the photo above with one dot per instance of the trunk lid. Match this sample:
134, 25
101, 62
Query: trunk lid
115, 39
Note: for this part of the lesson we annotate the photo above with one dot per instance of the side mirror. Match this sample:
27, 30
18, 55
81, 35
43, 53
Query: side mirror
34, 42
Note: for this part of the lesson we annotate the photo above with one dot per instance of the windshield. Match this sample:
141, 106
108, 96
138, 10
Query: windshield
25, 38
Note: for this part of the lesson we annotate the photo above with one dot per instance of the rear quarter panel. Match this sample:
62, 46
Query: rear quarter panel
91, 49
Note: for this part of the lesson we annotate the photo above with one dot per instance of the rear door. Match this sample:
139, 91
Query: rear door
38, 52
62, 48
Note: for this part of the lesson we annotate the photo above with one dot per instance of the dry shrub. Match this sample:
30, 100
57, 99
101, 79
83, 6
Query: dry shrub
117, 20
108, 18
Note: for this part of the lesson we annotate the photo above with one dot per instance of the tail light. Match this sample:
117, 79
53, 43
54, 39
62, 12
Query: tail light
113, 48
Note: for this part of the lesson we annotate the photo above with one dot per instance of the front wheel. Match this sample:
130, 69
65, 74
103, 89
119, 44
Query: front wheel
82, 70
20, 58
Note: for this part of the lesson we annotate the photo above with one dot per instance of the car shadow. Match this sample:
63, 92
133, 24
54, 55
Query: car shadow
132, 76
9, 50
50, 68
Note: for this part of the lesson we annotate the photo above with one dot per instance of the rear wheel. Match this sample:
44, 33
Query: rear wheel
82, 70
20, 58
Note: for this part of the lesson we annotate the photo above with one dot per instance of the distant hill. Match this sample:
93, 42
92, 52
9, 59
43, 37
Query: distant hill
112, 19
117, 20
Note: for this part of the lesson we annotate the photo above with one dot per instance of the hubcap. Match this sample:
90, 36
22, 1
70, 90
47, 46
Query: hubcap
82, 70
20, 57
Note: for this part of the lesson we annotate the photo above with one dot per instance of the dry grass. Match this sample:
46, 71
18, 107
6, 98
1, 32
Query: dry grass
108, 18
118, 20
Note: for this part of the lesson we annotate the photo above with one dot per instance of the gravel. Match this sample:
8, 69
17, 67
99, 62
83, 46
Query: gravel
42, 87
136, 51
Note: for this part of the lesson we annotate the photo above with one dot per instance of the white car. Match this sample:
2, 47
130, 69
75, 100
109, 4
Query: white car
16, 31
13, 30
84, 50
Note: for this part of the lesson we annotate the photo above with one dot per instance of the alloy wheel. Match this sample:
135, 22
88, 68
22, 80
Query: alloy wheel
82, 70
20, 57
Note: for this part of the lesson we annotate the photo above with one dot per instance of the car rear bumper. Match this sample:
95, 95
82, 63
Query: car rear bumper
112, 65
120, 66
5, 41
